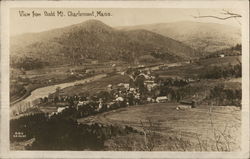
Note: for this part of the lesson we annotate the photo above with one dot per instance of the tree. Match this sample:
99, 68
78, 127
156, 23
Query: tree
104, 95
225, 14
139, 82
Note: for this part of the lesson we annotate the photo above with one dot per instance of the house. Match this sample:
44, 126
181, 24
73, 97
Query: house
120, 84
120, 99
161, 99
186, 104
148, 82
137, 95
124, 85
150, 85
190, 80
110, 87
132, 89
183, 107
60, 109
100, 105
149, 99
141, 66
82, 103
222, 55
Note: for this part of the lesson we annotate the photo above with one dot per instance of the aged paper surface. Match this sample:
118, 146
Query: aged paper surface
137, 79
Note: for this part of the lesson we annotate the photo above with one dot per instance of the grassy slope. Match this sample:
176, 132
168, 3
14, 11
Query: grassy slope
173, 122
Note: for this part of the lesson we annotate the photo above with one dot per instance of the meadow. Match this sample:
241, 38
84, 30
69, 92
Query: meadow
197, 129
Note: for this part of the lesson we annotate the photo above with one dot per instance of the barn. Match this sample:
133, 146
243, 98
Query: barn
186, 104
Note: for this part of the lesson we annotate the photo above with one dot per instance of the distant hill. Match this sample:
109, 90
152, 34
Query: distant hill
208, 37
93, 39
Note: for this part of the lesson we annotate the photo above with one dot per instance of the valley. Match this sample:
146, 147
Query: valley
125, 89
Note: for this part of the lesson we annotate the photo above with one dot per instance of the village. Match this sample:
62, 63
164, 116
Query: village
143, 88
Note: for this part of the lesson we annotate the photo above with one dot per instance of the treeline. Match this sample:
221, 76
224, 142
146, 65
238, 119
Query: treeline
237, 47
16, 90
216, 72
223, 96
27, 63
164, 56
233, 51
174, 82
220, 95
179, 93
59, 133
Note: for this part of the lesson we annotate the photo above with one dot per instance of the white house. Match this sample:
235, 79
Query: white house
161, 99
222, 55
99, 106
187, 104
149, 99
60, 109
110, 86
126, 85
183, 107
119, 99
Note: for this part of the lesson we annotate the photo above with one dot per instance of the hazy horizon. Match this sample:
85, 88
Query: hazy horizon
121, 26
119, 17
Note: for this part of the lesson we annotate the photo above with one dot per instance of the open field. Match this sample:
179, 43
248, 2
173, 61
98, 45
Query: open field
195, 68
187, 124
95, 86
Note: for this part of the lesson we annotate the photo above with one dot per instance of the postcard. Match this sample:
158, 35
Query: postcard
125, 79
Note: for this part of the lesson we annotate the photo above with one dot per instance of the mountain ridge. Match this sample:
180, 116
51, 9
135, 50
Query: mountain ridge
205, 37
93, 39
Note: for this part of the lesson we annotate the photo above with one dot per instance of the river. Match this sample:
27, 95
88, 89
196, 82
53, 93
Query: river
45, 91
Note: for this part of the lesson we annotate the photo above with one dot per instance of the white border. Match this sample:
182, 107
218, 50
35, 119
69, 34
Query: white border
6, 153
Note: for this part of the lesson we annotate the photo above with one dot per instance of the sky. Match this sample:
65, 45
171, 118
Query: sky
117, 17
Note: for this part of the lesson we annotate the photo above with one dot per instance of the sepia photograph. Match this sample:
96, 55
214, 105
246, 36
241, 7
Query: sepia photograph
135, 79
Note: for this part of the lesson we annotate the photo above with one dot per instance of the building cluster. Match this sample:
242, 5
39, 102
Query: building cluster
115, 96
119, 95
122, 94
